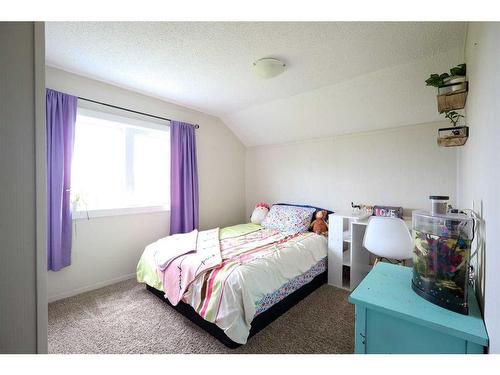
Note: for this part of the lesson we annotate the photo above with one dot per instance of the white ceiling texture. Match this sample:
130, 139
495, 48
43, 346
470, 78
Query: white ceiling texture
341, 77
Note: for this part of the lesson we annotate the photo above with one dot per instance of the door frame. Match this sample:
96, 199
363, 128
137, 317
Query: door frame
40, 189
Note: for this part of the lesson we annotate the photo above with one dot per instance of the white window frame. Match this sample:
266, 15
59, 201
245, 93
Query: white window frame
92, 214
100, 213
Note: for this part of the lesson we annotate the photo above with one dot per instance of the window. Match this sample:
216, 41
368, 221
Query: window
119, 165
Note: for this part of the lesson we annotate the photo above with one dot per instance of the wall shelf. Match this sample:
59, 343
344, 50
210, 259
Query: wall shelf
452, 101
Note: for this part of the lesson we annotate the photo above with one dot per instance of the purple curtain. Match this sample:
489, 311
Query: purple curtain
183, 178
60, 118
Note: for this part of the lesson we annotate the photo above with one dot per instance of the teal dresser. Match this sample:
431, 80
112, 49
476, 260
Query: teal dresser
392, 318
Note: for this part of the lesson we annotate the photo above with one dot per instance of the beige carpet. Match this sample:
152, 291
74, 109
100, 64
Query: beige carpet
126, 318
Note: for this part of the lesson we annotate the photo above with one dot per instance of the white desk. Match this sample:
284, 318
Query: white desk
348, 260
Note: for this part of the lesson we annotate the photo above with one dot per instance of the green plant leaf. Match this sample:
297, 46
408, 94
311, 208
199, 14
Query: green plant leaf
458, 70
434, 80
453, 116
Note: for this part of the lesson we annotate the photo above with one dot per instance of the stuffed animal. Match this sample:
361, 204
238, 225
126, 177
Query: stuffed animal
319, 225
259, 213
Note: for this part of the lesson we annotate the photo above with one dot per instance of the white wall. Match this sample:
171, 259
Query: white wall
400, 166
23, 321
383, 99
106, 250
479, 161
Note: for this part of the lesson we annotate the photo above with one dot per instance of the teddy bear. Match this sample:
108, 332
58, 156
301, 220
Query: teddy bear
319, 225
259, 213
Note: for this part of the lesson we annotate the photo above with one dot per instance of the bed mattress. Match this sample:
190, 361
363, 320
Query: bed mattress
261, 267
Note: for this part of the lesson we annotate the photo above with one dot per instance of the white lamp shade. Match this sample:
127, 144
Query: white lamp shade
268, 67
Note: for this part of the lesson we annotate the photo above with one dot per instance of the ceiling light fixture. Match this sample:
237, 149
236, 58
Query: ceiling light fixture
268, 67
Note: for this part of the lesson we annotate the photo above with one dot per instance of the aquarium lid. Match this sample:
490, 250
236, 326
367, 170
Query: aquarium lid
448, 225
447, 216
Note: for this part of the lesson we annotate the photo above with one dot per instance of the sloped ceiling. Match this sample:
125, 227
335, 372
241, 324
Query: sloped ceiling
341, 77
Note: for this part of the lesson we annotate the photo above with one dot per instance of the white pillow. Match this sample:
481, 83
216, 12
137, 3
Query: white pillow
259, 214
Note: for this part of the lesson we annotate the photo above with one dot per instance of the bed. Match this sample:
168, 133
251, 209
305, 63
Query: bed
263, 273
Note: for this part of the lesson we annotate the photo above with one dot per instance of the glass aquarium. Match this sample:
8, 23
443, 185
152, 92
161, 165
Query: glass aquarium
441, 255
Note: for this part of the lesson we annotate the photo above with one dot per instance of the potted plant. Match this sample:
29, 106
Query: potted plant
79, 204
452, 88
453, 116
454, 135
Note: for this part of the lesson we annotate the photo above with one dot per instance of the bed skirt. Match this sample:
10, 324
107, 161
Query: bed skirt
258, 323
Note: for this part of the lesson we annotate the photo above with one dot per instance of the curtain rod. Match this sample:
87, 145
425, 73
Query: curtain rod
130, 110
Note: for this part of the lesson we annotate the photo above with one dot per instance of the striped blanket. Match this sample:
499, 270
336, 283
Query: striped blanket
183, 268
235, 252
253, 265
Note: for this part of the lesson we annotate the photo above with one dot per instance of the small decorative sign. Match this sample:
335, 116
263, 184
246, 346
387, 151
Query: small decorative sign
388, 211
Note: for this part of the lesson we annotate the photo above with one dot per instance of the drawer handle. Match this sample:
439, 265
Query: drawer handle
363, 338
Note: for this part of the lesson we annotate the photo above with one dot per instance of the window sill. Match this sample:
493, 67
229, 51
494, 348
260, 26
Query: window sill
92, 214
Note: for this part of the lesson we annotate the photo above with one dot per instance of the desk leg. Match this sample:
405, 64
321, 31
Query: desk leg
335, 250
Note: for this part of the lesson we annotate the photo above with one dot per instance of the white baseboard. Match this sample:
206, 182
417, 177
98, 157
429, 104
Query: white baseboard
88, 288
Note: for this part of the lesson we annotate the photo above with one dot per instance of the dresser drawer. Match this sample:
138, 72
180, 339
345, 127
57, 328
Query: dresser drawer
387, 334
